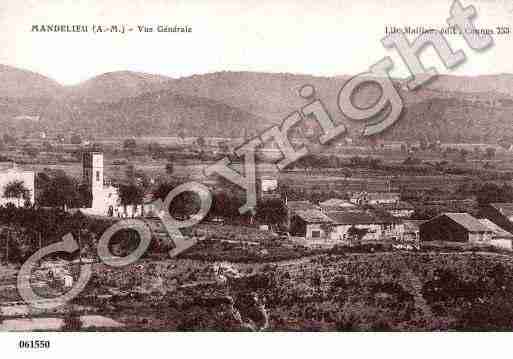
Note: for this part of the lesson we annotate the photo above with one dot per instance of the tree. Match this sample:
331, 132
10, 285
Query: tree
130, 194
356, 234
490, 192
76, 139
16, 189
184, 204
169, 168
58, 190
423, 144
31, 151
96, 147
155, 149
462, 155
47, 146
271, 211
130, 144
412, 161
9, 139
223, 147
130, 172
200, 141
136, 177
490, 153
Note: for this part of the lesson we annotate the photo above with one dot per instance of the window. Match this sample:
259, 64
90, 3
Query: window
97, 176
316, 234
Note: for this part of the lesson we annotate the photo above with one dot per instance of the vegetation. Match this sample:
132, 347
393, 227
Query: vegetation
130, 194
17, 190
76, 139
130, 144
61, 191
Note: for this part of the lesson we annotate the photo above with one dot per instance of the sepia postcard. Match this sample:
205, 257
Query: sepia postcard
255, 166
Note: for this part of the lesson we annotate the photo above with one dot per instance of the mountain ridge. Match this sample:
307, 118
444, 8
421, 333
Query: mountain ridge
219, 103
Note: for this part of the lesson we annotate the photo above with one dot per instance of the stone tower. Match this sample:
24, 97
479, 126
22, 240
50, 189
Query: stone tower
92, 166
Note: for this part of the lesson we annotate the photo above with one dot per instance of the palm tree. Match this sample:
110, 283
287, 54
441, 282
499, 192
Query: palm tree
16, 189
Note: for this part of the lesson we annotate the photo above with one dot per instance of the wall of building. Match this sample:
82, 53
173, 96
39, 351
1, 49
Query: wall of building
315, 231
502, 243
443, 229
268, 185
478, 237
401, 213
339, 232
299, 228
375, 231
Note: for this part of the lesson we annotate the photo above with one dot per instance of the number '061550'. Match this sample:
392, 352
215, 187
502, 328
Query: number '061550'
34, 344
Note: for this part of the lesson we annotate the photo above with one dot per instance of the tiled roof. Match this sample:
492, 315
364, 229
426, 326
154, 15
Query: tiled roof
301, 205
382, 195
401, 205
467, 221
377, 195
497, 230
359, 217
313, 216
336, 202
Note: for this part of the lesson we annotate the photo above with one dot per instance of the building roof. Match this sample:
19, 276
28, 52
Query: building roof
360, 217
337, 202
313, 216
505, 208
377, 195
497, 230
301, 205
467, 221
397, 206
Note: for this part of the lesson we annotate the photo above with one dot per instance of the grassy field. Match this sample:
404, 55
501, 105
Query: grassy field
392, 291
348, 292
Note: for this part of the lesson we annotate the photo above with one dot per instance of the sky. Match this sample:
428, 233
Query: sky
328, 38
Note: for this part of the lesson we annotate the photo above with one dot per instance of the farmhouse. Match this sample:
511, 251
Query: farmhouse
310, 224
373, 198
399, 209
455, 227
374, 226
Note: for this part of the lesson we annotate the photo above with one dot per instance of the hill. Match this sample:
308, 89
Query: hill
124, 103
114, 86
449, 108
18, 83
162, 113
494, 84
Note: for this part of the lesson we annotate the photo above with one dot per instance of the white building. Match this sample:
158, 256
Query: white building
373, 198
268, 184
14, 174
105, 198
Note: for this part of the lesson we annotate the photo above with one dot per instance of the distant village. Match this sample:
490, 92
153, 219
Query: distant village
343, 214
